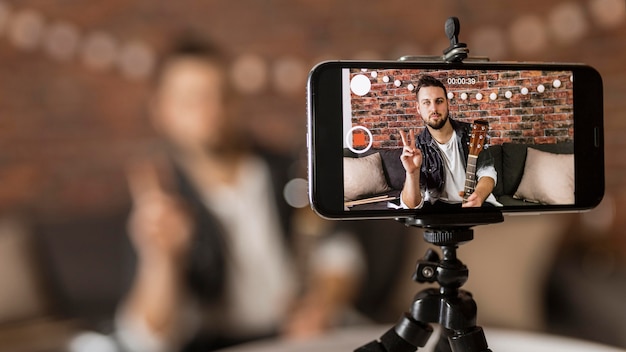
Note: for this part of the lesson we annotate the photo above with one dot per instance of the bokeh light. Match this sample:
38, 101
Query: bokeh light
26, 29
568, 23
608, 13
528, 34
61, 41
99, 50
249, 73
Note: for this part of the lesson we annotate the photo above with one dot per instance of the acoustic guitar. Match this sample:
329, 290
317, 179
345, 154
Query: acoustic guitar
477, 142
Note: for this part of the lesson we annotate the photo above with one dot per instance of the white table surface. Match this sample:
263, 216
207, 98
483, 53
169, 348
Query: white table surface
499, 341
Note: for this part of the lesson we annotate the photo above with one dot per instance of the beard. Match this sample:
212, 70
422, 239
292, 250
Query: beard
226, 144
437, 125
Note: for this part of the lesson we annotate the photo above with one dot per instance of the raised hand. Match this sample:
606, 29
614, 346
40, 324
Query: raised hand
411, 155
160, 224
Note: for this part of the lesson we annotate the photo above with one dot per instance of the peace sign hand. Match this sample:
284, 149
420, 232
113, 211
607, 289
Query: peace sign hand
411, 155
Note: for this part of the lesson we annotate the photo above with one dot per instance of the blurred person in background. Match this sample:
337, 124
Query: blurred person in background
212, 230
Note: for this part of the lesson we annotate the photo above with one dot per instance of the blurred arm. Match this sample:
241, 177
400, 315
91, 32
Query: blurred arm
337, 268
160, 228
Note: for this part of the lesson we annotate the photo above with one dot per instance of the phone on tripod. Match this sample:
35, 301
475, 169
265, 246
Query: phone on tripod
533, 131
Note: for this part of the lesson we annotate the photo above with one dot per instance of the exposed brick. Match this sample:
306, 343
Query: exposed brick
532, 133
497, 141
520, 119
557, 132
105, 123
545, 140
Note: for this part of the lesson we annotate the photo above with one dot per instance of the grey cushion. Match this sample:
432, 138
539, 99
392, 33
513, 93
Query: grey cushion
392, 166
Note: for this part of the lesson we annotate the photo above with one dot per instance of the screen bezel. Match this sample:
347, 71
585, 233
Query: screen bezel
325, 136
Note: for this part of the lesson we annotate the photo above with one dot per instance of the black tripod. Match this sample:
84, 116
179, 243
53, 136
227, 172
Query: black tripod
449, 306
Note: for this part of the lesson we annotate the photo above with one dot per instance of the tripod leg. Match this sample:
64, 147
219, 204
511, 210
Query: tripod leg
472, 340
443, 345
406, 336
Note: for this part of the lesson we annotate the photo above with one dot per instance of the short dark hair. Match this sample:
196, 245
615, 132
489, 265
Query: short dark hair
429, 81
189, 45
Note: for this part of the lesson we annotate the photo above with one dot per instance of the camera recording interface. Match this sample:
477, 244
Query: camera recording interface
536, 129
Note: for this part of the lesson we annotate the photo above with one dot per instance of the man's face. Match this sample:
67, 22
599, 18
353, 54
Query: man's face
190, 105
432, 105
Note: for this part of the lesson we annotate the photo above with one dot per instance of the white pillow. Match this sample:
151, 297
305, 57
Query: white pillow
363, 176
548, 178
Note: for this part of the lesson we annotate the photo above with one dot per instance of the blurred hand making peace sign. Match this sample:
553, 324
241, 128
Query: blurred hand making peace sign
160, 224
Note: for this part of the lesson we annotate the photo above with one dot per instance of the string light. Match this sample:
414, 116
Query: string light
289, 75
99, 50
249, 73
528, 34
136, 60
26, 29
62, 41
541, 88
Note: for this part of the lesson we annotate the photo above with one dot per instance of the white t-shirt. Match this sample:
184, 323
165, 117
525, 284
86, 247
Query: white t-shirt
260, 277
454, 171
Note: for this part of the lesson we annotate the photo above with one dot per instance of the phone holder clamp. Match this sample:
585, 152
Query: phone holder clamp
456, 52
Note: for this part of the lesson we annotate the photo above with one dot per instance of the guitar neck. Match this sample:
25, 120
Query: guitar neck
477, 142
470, 177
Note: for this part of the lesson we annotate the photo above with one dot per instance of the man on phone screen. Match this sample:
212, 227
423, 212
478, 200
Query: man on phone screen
435, 161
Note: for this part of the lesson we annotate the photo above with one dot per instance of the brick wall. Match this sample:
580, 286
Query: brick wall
67, 130
534, 117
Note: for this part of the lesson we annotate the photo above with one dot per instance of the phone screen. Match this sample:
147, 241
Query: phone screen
510, 135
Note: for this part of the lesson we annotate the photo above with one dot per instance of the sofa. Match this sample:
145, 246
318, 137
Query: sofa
510, 162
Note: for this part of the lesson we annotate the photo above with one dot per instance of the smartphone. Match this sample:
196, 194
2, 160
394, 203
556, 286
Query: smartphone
530, 133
